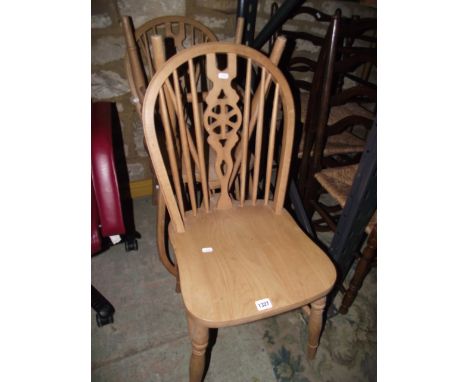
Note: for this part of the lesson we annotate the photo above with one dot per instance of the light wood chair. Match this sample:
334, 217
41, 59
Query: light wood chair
213, 181
178, 32
239, 259
148, 41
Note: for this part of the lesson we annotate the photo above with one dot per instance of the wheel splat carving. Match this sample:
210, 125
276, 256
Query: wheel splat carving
222, 119
178, 36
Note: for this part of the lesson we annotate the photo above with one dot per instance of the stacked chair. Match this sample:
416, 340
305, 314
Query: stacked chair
146, 52
146, 42
341, 97
219, 123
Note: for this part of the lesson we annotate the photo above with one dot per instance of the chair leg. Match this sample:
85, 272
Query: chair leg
362, 269
199, 336
161, 235
315, 326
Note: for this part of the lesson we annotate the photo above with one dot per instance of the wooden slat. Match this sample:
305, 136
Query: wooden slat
147, 51
171, 151
159, 57
136, 66
245, 131
239, 30
258, 138
275, 57
285, 155
184, 144
199, 136
271, 144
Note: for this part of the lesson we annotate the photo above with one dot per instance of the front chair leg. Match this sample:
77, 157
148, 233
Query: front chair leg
315, 326
199, 336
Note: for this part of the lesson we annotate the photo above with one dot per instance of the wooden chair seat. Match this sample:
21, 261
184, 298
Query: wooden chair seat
256, 254
338, 181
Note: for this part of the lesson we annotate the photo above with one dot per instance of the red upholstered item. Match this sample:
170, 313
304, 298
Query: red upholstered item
103, 173
96, 242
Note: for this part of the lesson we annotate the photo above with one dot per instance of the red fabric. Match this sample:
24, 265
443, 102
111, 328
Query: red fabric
103, 174
96, 242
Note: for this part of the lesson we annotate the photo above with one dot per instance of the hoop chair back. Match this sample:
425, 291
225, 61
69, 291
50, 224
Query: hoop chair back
181, 31
228, 118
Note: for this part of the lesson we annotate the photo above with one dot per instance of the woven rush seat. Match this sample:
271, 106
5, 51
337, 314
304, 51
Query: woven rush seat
346, 142
338, 182
337, 113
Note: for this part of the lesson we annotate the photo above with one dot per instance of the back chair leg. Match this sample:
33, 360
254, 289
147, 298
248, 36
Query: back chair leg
315, 326
362, 269
199, 336
160, 236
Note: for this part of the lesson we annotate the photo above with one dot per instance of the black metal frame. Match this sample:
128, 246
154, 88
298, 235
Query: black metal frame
248, 10
281, 15
360, 206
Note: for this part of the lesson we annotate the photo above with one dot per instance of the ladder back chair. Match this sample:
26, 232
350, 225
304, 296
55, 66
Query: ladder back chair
333, 112
337, 181
243, 258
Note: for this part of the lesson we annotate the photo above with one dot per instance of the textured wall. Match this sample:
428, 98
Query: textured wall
108, 78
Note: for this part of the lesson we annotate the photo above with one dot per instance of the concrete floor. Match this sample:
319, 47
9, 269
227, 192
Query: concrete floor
148, 340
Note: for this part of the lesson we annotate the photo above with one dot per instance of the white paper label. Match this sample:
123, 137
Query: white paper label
115, 239
223, 75
263, 304
207, 249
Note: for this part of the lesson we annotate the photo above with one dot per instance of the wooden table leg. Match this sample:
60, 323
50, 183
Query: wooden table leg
199, 336
315, 326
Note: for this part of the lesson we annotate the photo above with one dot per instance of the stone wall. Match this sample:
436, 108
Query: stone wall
108, 78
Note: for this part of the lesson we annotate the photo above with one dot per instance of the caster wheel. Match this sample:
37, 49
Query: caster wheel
131, 245
104, 320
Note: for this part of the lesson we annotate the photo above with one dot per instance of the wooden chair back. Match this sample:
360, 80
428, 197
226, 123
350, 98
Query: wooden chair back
338, 59
224, 121
301, 63
178, 32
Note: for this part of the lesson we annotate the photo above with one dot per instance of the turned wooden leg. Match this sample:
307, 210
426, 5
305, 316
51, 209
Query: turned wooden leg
315, 326
362, 269
199, 337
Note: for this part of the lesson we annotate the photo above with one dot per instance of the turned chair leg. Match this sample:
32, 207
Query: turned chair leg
315, 326
199, 336
362, 269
